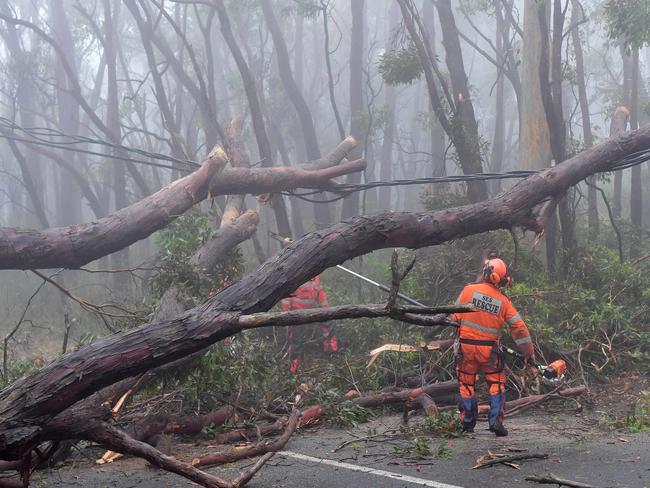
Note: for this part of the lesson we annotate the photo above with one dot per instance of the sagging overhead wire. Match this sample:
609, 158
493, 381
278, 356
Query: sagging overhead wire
49, 137
345, 189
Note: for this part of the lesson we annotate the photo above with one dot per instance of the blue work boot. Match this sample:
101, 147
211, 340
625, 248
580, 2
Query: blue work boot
495, 417
468, 413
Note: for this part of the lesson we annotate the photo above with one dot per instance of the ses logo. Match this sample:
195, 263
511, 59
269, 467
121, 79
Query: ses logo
486, 303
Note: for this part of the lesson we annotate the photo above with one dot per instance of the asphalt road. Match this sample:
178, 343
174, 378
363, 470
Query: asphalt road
578, 449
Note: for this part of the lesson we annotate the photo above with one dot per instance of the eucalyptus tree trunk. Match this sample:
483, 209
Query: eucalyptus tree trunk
390, 101
498, 141
534, 139
592, 193
617, 199
357, 108
69, 193
438, 144
636, 195
307, 128
464, 126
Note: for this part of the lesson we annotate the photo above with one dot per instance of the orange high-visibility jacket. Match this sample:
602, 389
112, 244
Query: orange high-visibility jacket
308, 295
496, 309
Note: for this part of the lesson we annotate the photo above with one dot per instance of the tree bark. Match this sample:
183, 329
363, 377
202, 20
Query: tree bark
350, 206
30, 403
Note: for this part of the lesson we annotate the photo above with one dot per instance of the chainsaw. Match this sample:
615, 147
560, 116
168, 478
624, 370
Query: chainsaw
551, 374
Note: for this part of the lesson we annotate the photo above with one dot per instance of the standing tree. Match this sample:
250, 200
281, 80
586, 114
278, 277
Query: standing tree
454, 108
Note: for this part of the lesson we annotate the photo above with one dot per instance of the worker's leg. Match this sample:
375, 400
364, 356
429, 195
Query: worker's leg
497, 382
330, 342
294, 352
467, 403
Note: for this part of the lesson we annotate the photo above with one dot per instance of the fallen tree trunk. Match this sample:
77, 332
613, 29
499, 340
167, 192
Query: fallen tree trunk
77, 245
434, 390
308, 416
171, 424
27, 405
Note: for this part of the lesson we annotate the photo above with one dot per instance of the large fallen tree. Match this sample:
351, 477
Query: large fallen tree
30, 404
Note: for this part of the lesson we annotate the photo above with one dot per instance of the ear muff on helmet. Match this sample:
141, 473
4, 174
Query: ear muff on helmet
496, 272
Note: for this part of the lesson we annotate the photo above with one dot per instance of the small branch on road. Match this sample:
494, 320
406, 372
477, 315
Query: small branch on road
551, 479
485, 461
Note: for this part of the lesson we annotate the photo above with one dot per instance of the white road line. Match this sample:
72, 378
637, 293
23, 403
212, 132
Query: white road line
364, 469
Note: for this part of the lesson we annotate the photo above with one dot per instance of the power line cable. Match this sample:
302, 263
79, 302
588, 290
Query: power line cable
67, 142
45, 136
345, 189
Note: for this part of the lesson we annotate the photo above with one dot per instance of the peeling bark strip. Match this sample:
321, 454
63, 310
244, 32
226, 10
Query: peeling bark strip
77, 245
27, 405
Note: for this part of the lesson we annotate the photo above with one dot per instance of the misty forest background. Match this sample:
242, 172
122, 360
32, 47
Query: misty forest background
85, 83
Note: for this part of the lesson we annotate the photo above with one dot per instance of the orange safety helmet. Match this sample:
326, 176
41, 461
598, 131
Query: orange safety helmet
496, 272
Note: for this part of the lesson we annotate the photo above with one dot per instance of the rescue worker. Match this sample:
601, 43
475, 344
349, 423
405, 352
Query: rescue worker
308, 295
478, 343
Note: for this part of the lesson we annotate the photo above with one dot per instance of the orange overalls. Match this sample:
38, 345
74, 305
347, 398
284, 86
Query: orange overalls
308, 295
478, 335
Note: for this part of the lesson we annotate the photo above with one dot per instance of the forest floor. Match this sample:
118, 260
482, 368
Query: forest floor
581, 446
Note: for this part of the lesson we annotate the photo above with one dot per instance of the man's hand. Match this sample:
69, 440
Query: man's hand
533, 373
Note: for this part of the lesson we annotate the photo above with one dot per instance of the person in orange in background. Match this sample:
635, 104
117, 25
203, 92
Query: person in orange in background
478, 343
308, 295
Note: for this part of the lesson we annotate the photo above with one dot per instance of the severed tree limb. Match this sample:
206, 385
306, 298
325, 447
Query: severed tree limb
426, 403
229, 235
77, 245
30, 403
315, 315
551, 479
111, 437
251, 451
434, 390
152, 425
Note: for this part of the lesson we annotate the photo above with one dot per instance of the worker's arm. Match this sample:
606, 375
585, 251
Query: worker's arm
519, 332
463, 299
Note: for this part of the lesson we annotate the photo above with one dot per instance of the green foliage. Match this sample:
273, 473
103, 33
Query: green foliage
246, 366
600, 304
418, 448
445, 424
443, 451
177, 243
342, 413
23, 366
639, 420
401, 66
629, 22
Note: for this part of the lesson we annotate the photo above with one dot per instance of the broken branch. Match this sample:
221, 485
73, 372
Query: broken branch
551, 479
